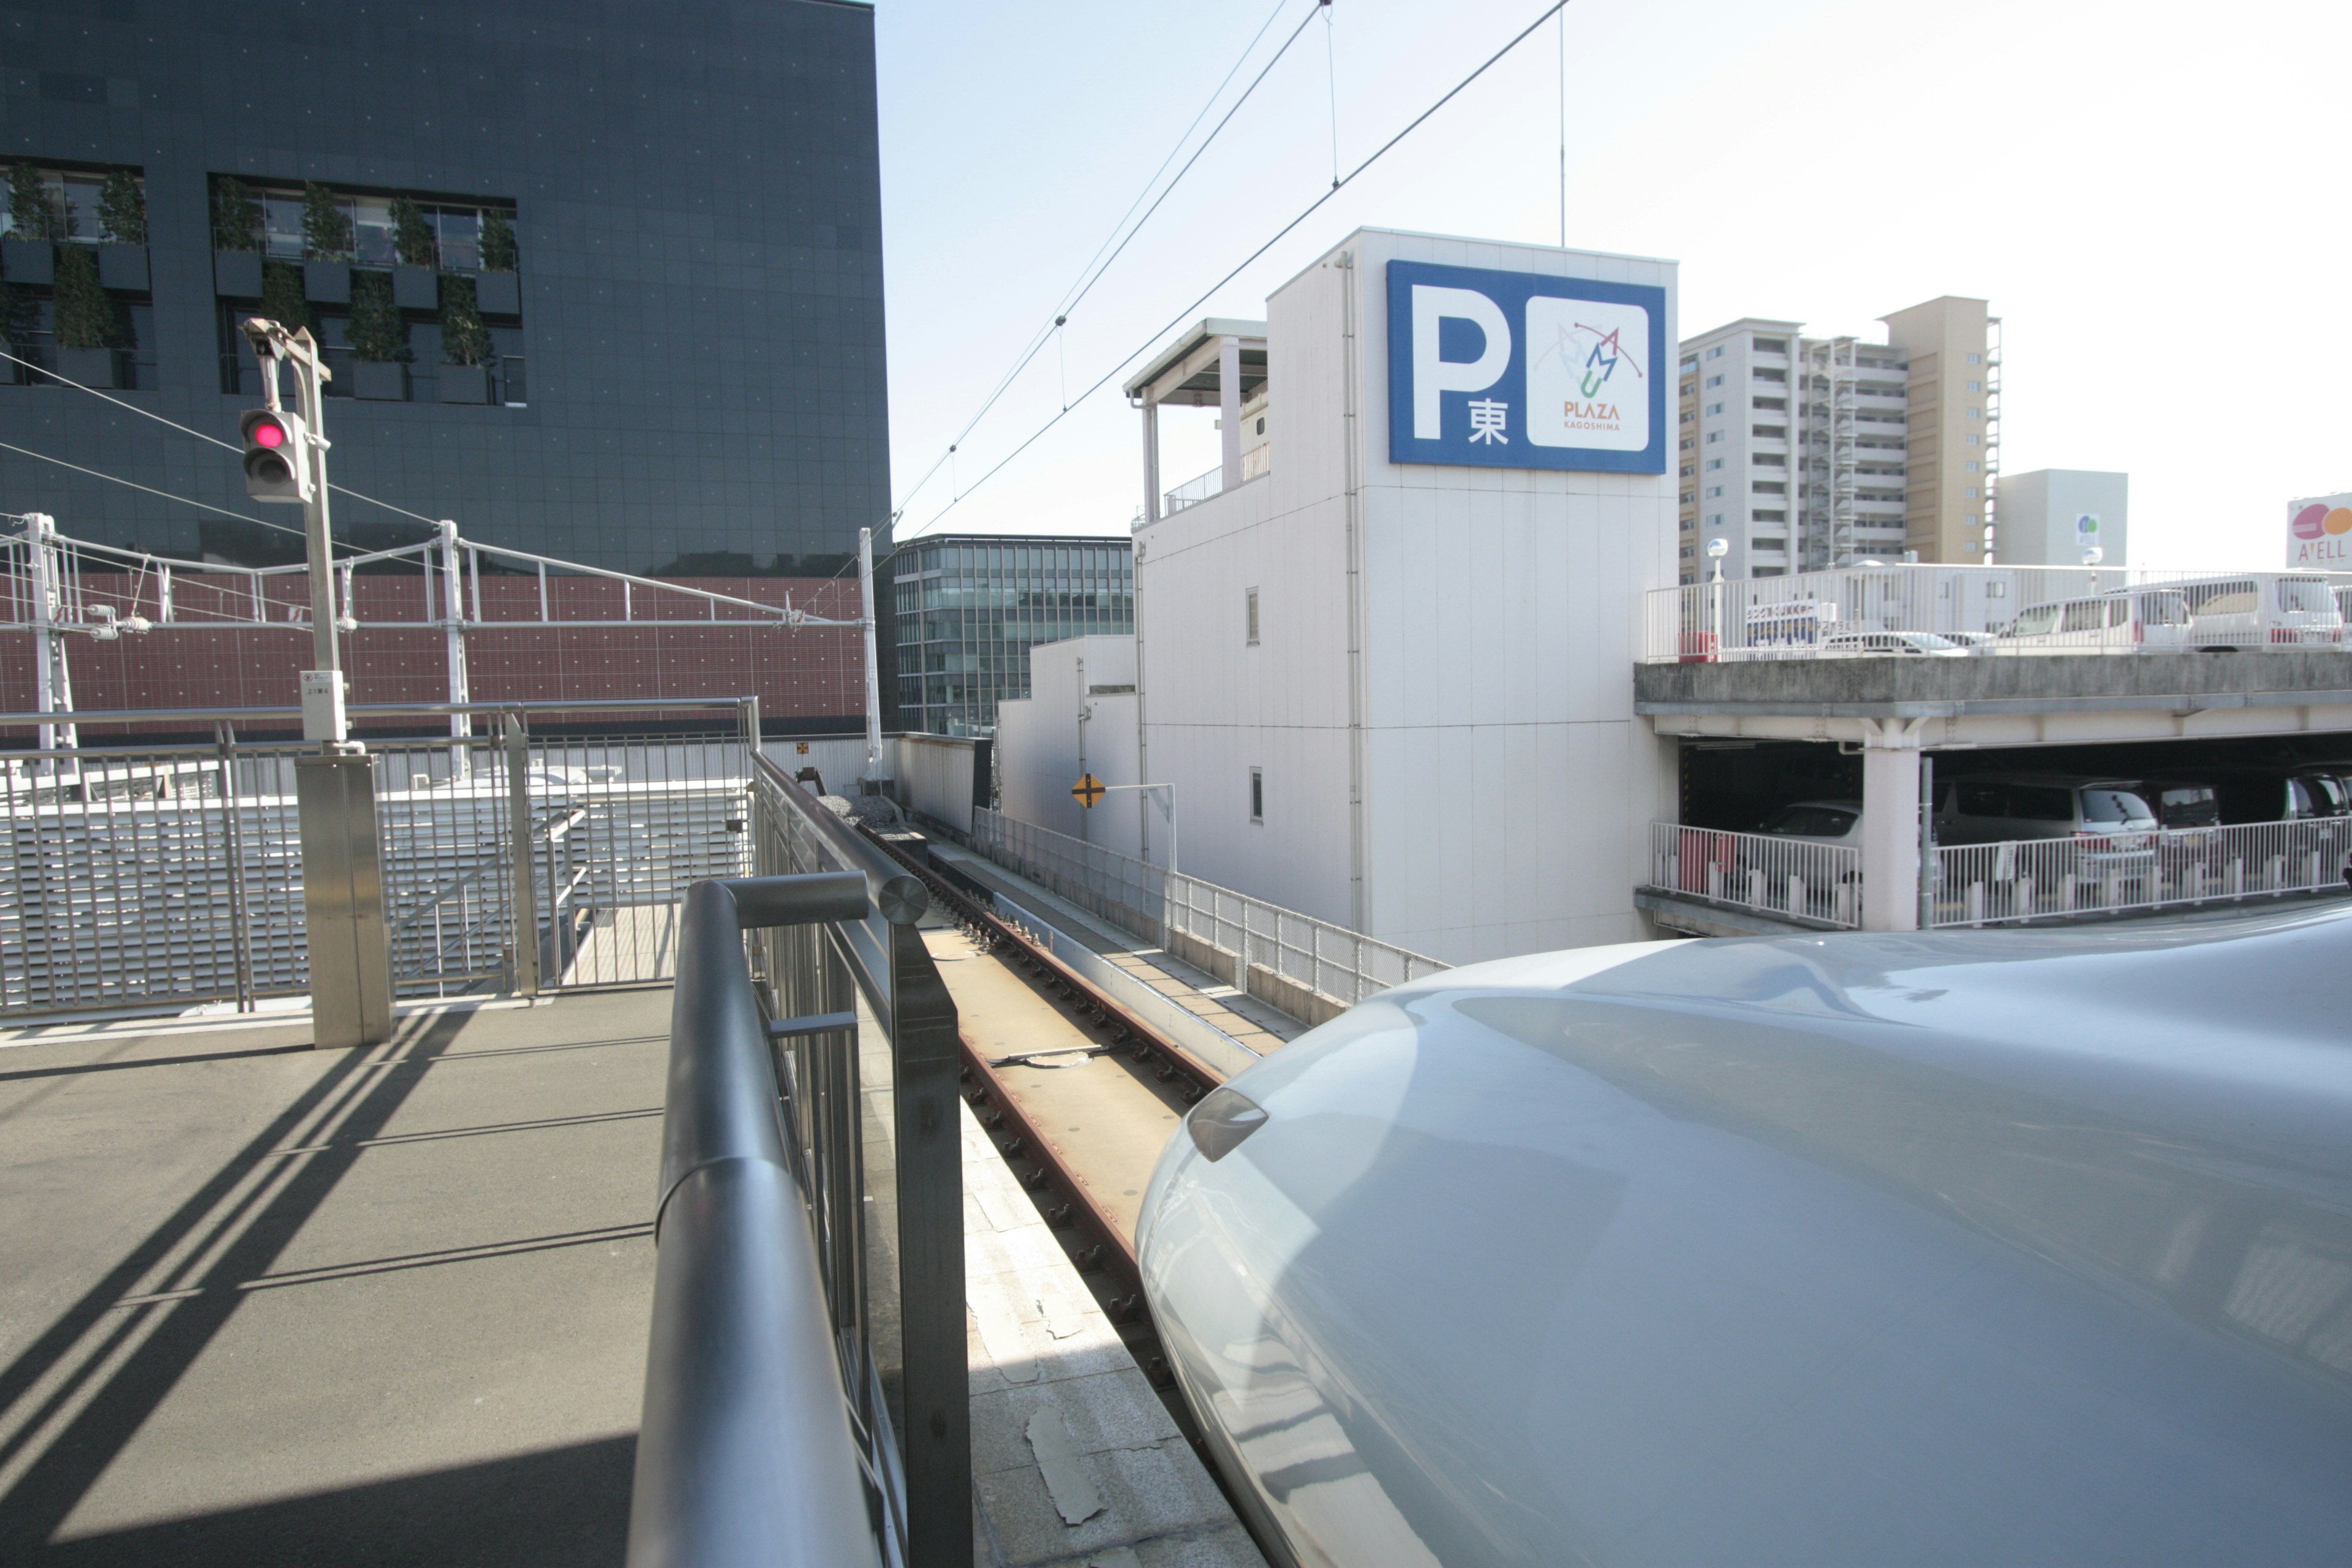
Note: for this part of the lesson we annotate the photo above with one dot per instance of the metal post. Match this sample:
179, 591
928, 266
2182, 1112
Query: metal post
873, 679
1229, 410
53, 676
520, 834
453, 622
1928, 864
937, 1385
240, 930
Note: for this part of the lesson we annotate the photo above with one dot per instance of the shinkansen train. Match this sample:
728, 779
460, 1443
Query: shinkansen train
1968, 1249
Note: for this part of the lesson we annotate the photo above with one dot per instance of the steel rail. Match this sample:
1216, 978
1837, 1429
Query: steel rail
1063, 1195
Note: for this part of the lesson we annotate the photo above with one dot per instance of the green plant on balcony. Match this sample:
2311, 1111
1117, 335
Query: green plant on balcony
376, 331
463, 339
85, 316
31, 210
236, 215
122, 209
411, 233
281, 297
326, 227
498, 243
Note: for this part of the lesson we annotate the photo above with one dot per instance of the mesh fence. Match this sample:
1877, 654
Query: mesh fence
1150, 902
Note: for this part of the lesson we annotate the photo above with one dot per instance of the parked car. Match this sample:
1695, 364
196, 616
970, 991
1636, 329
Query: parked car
1974, 642
2288, 794
1858, 644
2110, 829
2182, 802
1816, 822
2254, 612
2129, 620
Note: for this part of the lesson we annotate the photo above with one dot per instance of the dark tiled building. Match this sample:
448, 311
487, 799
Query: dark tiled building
650, 235
963, 610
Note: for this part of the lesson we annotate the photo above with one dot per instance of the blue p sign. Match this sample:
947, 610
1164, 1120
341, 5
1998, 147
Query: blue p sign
1518, 370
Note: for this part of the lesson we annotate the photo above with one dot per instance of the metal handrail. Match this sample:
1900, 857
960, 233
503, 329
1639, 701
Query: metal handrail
746, 1453
362, 709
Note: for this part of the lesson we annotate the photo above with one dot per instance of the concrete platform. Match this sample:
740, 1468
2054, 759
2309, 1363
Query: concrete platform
261, 1304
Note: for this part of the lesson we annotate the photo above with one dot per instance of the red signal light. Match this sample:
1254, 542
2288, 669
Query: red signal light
269, 433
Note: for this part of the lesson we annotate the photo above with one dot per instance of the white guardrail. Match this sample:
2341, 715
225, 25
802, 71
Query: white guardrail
2056, 878
1792, 879
1324, 959
1863, 611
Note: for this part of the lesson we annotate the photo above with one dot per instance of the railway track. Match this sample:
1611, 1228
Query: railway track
1079, 1109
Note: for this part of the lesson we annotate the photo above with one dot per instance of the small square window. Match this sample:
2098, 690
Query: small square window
1976, 359
1714, 353
1257, 795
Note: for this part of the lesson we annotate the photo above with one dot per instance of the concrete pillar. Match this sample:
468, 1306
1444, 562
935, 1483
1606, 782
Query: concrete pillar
1229, 405
1151, 461
1890, 837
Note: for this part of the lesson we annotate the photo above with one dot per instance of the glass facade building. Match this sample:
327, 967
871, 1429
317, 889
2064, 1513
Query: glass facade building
967, 608
601, 282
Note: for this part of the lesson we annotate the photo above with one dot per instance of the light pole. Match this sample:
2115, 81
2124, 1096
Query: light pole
323, 698
350, 946
1716, 549
1170, 808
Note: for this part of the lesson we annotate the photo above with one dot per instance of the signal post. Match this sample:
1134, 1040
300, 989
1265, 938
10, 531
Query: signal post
342, 881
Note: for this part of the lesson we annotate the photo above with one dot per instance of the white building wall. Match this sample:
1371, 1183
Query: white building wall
1043, 745
2037, 514
1507, 785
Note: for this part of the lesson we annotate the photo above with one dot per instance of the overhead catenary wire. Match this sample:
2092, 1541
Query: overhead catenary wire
199, 435
167, 495
1279, 234
1121, 232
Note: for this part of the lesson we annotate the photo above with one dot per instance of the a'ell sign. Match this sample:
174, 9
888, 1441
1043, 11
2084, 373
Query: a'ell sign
1516, 370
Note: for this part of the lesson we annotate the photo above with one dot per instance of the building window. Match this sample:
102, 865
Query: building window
1779, 404
1975, 440
1713, 491
1761, 374
1714, 353
1715, 520
1766, 516
1976, 386
1257, 795
1690, 364
1715, 408
1252, 616
1772, 345
1976, 359
1714, 381
1970, 493
1973, 465
1688, 472
1713, 437
1976, 413
1713, 464
1768, 486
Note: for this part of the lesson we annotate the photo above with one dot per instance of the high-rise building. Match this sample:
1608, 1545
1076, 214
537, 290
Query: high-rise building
1737, 461
599, 282
1801, 453
964, 610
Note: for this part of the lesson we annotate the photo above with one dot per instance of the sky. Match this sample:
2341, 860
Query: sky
2150, 195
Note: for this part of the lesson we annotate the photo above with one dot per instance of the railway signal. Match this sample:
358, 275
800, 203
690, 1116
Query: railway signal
276, 457
1088, 790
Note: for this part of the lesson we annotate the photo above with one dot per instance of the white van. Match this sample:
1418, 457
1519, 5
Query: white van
2125, 620
2257, 612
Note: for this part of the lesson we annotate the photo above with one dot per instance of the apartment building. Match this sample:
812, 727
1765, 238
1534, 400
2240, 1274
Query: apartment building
1736, 463
1801, 453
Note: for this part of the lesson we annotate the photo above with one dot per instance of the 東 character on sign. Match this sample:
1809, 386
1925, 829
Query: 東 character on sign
1488, 420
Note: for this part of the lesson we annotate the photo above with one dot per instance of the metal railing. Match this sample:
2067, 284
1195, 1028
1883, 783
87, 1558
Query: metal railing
1790, 879
746, 1449
2071, 878
867, 1057
1993, 610
153, 875
1326, 960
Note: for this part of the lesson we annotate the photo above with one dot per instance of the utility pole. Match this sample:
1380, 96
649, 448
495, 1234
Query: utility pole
350, 948
873, 676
